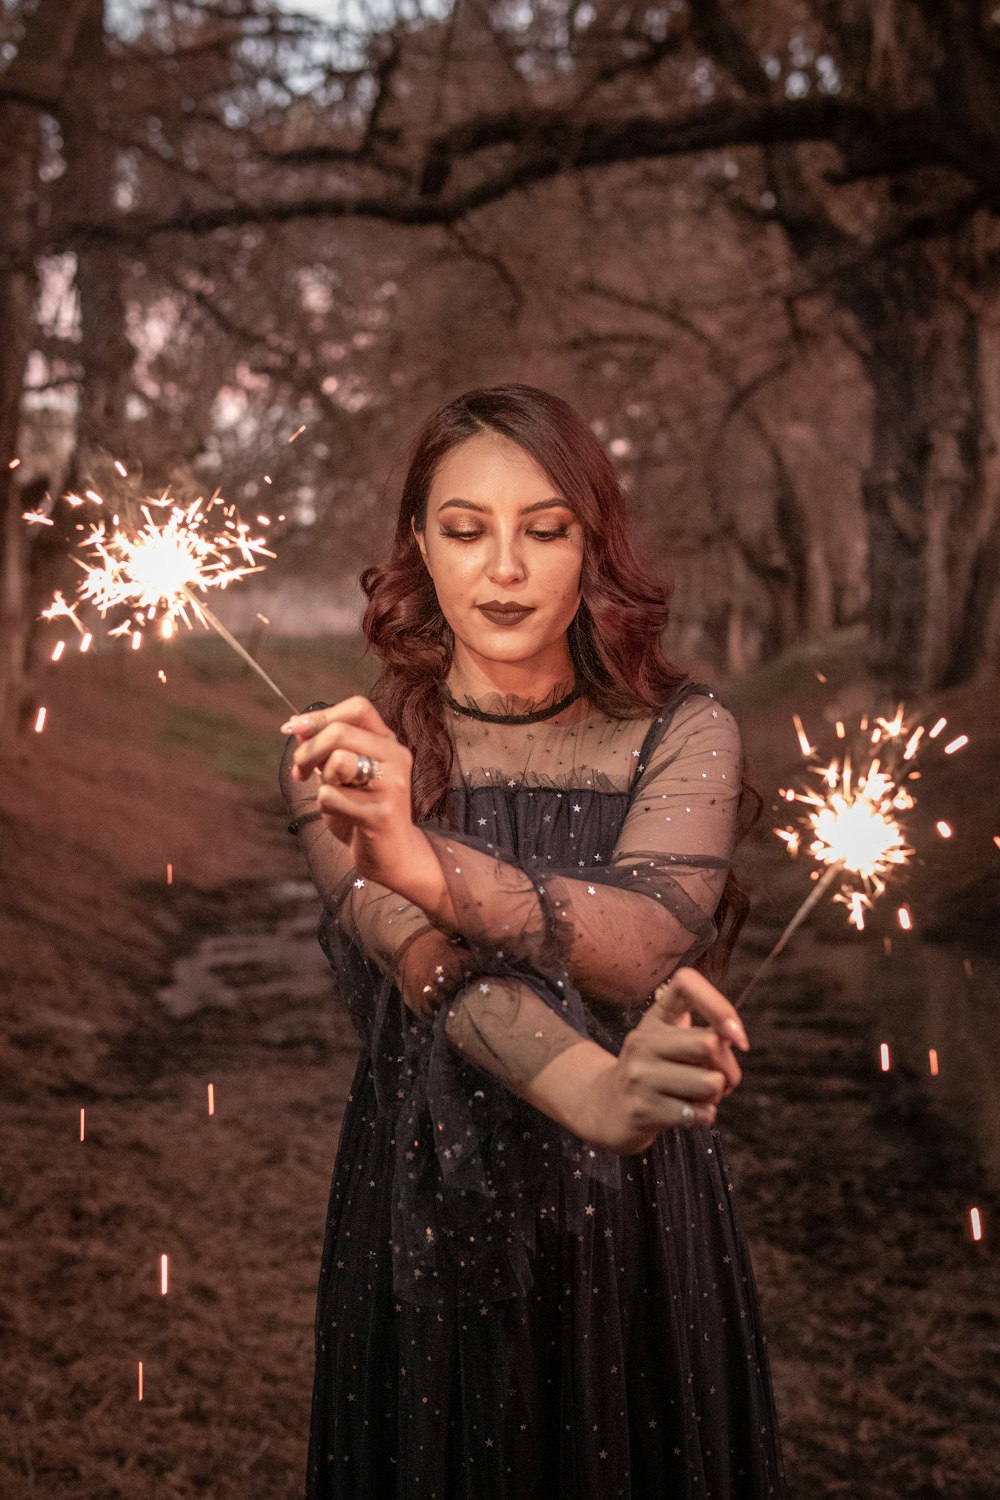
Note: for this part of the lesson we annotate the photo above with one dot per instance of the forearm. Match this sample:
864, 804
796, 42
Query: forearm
502, 1026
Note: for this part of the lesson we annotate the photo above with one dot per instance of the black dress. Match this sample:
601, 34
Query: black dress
503, 1310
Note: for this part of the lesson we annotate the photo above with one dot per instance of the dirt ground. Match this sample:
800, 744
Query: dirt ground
855, 1183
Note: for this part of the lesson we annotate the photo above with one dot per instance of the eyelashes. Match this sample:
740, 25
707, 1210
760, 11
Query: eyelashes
472, 536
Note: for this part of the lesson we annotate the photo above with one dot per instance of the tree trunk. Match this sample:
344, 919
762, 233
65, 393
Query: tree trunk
32, 84
107, 355
925, 495
20, 145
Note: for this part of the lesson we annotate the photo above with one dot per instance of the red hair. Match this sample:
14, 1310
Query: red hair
614, 638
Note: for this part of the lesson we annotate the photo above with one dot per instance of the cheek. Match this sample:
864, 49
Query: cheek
455, 571
562, 576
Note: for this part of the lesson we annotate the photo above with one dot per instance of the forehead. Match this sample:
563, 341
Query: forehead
490, 470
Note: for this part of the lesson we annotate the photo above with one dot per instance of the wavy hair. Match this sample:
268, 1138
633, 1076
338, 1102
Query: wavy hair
614, 639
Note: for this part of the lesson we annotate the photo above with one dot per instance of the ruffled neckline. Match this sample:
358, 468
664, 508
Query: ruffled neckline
512, 707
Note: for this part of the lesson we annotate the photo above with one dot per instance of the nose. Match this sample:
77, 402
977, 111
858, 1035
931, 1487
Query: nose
505, 565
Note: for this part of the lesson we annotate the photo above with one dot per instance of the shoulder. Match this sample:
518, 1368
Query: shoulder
695, 721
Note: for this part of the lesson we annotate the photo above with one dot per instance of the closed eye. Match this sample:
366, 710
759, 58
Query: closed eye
472, 536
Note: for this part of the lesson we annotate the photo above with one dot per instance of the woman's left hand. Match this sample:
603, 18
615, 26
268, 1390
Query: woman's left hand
375, 821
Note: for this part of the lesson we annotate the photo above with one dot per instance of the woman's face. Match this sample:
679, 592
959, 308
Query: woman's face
497, 532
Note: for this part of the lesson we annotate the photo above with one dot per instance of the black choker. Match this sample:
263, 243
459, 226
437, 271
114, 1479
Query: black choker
533, 718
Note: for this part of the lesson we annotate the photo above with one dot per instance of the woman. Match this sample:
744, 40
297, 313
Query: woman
534, 1284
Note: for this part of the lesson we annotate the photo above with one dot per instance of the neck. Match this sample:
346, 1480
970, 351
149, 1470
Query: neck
542, 677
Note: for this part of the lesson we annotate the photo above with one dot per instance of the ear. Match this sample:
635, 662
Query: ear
420, 542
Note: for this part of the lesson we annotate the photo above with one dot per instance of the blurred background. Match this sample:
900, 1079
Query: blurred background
249, 246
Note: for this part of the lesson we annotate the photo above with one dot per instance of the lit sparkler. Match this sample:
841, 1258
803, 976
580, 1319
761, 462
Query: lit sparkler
854, 825
157, 560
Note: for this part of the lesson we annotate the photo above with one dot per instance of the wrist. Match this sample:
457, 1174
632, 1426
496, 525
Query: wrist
422, 878
576, 1088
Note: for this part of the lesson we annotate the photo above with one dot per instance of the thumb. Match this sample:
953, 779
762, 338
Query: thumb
687, 991
670, 1004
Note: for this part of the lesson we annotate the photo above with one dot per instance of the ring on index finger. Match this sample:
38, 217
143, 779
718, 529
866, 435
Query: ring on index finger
687, 1113
367, 772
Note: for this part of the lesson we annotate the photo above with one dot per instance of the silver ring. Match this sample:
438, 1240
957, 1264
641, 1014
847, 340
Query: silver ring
687, 1113
366, 773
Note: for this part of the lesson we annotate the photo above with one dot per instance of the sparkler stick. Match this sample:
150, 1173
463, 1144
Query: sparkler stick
815, 896
231, 640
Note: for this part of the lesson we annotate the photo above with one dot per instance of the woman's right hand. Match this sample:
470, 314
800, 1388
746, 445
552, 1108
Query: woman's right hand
666, 1063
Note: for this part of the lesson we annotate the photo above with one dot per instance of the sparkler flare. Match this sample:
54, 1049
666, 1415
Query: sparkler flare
853, 826
157, 560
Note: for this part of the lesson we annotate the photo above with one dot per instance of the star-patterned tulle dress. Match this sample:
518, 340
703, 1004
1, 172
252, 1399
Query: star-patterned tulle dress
504, 1311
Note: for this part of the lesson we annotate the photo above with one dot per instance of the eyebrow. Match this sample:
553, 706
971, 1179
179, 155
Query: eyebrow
485, 510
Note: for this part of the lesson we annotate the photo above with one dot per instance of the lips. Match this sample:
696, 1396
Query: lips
507, 615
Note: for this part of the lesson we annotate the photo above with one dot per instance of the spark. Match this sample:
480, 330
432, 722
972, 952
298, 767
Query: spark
892, 728
944, 829
211, 1098
136, 639
932, 1059
164, 1275
58, 649
37, 518
162, 675
976, 1224
15, 463
967, 967
83, 1123
883, 1053
913, 742
121, 468
933, 733
170, 874
40, 720
820, 677
841, 731
263, 618
85, 643
140, 1380
60, 610
297, 433
959, 744
804, 744
268, 479
905, 919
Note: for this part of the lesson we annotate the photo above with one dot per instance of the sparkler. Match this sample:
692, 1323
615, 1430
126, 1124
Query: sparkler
856, 819
158, 559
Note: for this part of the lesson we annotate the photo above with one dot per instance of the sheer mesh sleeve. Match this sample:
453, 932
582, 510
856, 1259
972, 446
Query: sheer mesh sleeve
620, 928
430, 967
386, 930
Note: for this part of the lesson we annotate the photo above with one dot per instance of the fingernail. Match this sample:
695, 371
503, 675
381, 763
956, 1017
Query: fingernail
287, 727
736, 1027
